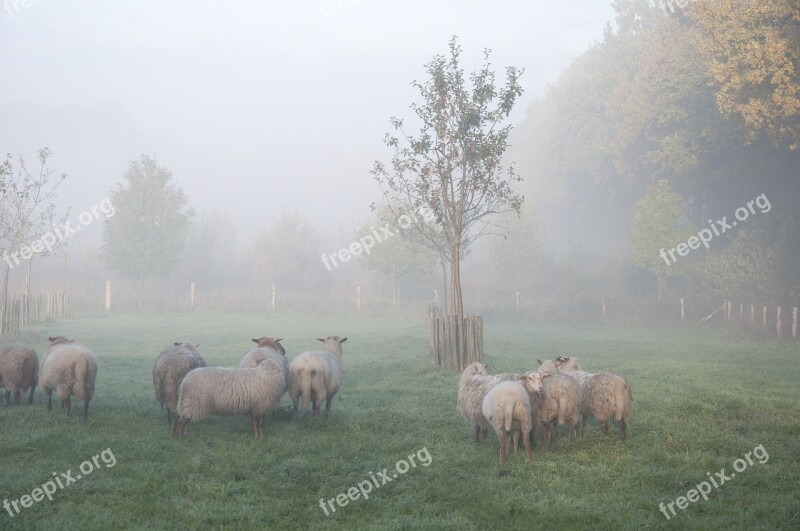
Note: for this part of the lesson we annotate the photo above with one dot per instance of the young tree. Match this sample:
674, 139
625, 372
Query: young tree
25, 210
147, 234
453, 167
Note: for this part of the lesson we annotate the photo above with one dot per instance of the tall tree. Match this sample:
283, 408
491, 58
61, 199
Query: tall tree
453, 166
753, 54
25, 212
146, 235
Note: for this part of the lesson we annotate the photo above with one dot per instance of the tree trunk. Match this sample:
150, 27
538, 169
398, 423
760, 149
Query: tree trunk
445, 290
456, 304
28, 279
66, 271
4, 310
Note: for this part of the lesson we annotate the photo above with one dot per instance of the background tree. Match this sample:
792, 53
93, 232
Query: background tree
25, 212
454, 166
399, 258
287, 255
654, 228
146, 236
753, 54
514, 258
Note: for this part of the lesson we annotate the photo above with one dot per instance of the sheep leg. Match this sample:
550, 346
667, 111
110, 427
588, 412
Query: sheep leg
49, 399
623, 428
516, 443
501, 438
8, 398
30, 397
85, 408
180, 427
583, 426
477, 434
67, 405
526, 442
169, 417
294, 414
485, 433
17, 394
328, 407
254, 423
604, 425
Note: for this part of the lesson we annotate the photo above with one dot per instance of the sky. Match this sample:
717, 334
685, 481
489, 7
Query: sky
258, 108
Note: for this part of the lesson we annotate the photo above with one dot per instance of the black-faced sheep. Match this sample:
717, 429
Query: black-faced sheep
70, 369
208, 391
19, 371
169, 369
316, 376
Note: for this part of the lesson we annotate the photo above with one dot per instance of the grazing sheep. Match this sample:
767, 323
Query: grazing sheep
317, 376
69, 369
169, 369
221, 391
559, 403
19, 371
475, 382
267, 348
507, 407
605, 395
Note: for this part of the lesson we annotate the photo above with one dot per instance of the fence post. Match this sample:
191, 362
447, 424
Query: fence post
191, 295
517, 300
273, 297
764, 318
358, 298
794, 322
778, 321
683, 314
752, 314
108, 296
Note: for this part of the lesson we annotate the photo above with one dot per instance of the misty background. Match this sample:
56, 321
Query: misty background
269, 115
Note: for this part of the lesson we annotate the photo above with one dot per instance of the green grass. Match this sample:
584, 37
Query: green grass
702, 400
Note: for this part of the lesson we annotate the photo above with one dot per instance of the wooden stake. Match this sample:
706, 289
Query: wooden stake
778, 322
683, 314
794, 322
108, 298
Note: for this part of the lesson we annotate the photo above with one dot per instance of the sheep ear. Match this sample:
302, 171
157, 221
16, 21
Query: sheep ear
278, 339
320, 339
51, 339
254, 340
343, 340
176, 343
547, 375
540, 361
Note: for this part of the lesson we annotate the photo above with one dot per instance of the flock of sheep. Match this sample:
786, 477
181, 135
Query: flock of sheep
559, 392
183, 383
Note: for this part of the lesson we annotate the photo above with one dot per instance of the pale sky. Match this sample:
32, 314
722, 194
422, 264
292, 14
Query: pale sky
256, 107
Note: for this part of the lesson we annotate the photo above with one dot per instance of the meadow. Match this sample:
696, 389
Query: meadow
703, 399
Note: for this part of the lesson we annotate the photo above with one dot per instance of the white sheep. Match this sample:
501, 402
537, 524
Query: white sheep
316, 376
605, 395
267, 348
19, 371
169, 369
475, 382
69, 369
222, 391
559, 403
507, 407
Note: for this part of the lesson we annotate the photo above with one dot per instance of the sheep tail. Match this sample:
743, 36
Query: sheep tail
508, 415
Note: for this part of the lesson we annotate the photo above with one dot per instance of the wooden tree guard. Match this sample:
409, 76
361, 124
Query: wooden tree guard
456, 342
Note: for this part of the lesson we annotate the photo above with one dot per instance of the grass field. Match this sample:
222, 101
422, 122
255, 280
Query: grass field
702, 400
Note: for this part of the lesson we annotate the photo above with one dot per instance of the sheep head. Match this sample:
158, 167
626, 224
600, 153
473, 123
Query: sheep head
333, 344
271, 342
58, 340
534, 381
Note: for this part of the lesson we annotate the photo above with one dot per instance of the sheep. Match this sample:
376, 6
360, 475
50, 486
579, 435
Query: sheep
267, 348
222, 391
605, 395
169, 369
19, 371
507, 407
475, 382
559, 403
317, 376
69, 369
